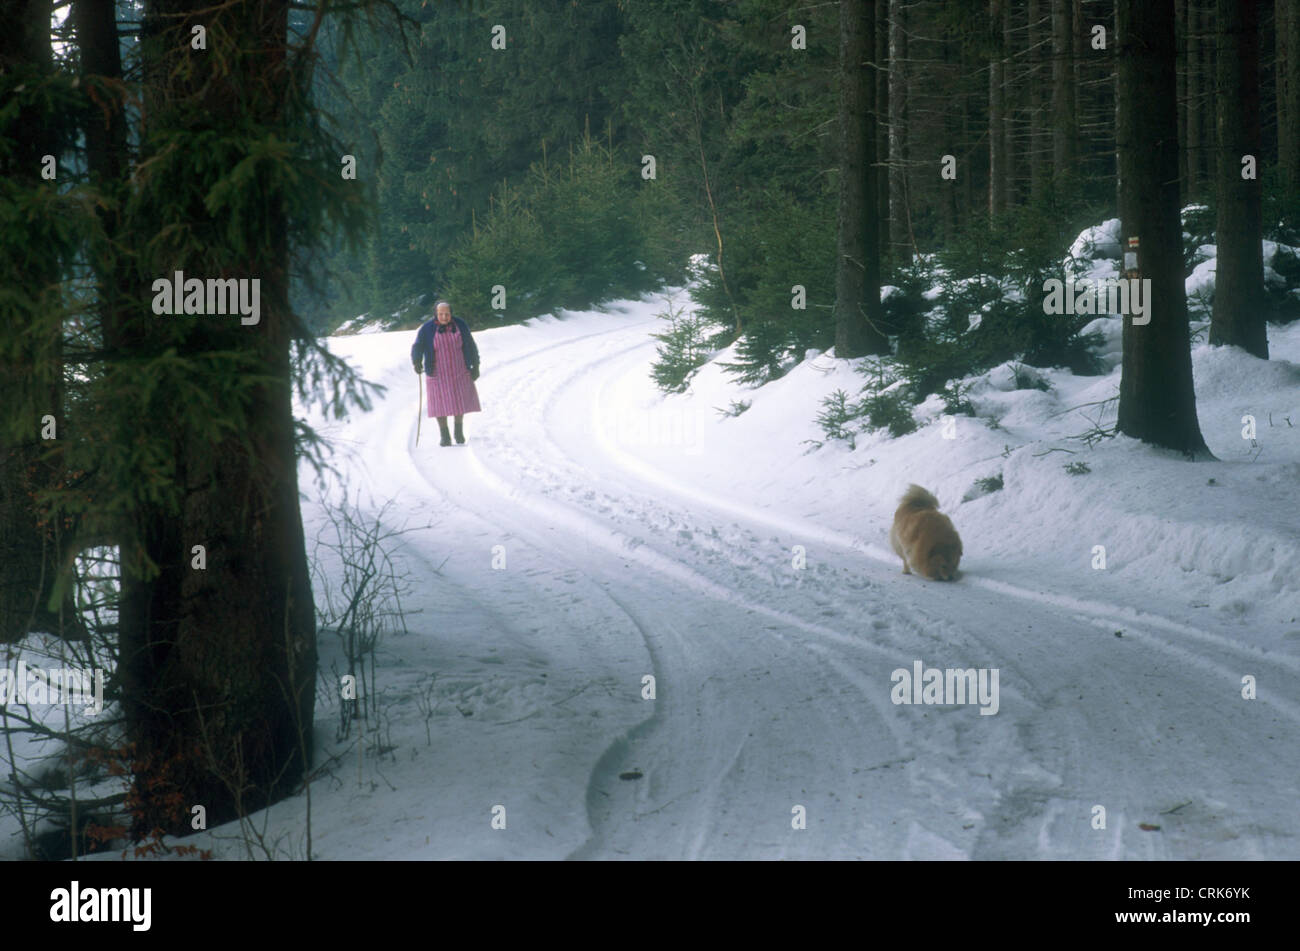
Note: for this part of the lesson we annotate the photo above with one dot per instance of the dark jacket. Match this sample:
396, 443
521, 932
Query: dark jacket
422, 349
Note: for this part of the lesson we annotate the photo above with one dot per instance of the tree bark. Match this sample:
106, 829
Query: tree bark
30, 376
970, 131
1156, 400
1287, 27
1239, 280
1039, 148
1078, 65
1010, 103
1065, 131
1180, 44
883, 68
857, 273
997, 124
952, 118
218, 665
1196, 85
900, 246
107, 159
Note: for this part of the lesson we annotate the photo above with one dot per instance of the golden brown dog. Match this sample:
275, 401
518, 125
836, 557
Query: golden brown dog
924, 537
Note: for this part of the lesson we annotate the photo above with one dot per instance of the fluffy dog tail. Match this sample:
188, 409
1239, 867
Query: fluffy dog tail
918, 498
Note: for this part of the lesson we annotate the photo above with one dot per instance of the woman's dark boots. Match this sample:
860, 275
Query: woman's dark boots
446, 436
460, 433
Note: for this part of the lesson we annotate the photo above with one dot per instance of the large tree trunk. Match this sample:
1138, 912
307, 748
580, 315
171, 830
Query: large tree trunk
1065, 131
1039, 167
1287, 27
1156, 400
1239, 279
970, 131
30, 365
1010, 104
106, 154
1078, 65
1197, 83
218, 665
1180, 45
900, 245
883, 67
997, 124
857, 272
952, 119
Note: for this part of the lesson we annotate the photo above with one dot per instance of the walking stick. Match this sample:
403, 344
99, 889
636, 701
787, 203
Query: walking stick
419, 406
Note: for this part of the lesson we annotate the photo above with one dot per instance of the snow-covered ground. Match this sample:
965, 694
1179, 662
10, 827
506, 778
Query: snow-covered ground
593, 533
645, 535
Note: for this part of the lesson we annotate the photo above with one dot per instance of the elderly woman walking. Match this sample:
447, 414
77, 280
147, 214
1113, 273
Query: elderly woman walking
445, 351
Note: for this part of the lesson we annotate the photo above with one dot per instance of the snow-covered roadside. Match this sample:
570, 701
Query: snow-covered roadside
645, 535
485, 703
1220, 537
491, 711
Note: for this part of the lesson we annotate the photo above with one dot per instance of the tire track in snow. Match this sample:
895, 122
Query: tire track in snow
1113, 614
395, 468
1039, 795
871, 690
1242, 657
617, 545
620, 545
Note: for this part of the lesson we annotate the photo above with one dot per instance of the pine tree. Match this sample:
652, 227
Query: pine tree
1065, 129
857, 285
1198, 73
899, 212
1239, 278
107, 158
1156, 400
35, 246
998, 176
1039, 149
217, 661
1287, 26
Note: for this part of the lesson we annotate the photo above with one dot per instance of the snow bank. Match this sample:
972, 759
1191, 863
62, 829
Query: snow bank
1220, 536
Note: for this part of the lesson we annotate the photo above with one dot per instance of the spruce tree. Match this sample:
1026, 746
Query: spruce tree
857, 283
217, 630
1239, 312
1156, 400
37, 240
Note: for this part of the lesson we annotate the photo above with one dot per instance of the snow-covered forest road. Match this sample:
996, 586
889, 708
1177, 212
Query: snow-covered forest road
624, 554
